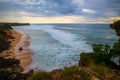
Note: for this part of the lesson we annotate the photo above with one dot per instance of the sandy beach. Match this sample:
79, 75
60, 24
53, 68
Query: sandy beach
24, 54
20, 40
16, 38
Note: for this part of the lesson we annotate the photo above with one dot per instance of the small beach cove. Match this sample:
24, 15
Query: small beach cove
20, 65
23, 52
53, 50
20, 40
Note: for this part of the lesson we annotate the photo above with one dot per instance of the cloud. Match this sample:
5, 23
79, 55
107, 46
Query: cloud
89, 11
59, 19
18, 14
110, 14
56, 19
78, 2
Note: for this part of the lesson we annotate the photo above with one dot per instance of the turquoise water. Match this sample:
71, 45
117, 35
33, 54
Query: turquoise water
59, 45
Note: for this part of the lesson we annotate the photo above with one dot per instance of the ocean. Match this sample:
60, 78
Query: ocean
57, 46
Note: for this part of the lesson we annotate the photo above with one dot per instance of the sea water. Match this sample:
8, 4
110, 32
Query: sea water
59, 45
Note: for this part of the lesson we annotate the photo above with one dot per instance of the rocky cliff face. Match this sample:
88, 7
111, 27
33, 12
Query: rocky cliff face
11, 70
116, 26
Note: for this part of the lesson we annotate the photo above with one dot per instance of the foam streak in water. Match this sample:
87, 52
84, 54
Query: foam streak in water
54, 48
67, 38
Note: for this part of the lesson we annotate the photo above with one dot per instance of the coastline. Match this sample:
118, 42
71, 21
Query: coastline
20, 39
10, 52
25, 54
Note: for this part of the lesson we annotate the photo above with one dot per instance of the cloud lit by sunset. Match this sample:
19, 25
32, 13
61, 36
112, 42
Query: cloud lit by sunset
59, 11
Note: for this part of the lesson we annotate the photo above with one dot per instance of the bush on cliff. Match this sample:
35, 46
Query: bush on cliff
10, 69
117, 24
5, 26
4, 39
102, 54
68, 73
86, 59
41, 76
115, 51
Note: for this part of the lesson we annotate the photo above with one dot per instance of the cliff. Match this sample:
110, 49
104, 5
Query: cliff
10, 68
116, 26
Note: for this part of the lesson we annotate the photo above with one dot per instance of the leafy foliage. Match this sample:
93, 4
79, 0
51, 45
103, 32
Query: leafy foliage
100, 69
115, 51
11, 70
5, 27
40, 76
69, 73
117, 24
4, 39
86, 59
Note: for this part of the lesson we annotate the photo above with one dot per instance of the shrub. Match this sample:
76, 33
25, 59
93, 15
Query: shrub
85, 59
70, 71
4, 39
8, 62
117, 24
101, 69
101, 53
5, 26
40, 76
84, 76
74, 73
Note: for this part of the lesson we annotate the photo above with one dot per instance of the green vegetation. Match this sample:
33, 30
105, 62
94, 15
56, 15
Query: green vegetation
116, 27
10, 69
5, 27
117, 24
97, 65
8, 62
102, 54
85, 59
4, 37
69, 73
41, 76
101, 60
100, 69
75, 73
115, 51
85, 76
16, 24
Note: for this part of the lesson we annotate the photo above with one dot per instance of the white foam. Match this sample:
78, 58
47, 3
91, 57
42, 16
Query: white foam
66, 38
63, 52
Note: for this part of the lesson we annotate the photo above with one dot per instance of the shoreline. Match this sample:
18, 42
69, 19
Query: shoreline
20, 39
24, 54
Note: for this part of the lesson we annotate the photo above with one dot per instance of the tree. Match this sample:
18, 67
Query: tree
115, 51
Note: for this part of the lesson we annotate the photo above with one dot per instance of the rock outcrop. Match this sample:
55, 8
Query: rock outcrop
11, 70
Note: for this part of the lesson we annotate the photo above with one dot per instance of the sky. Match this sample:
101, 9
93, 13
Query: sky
60, 11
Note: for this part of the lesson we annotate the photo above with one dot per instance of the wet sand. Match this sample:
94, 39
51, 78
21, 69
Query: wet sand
19, 40
10, 52
24, 54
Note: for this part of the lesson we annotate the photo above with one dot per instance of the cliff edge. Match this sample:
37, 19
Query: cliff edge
116, 26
